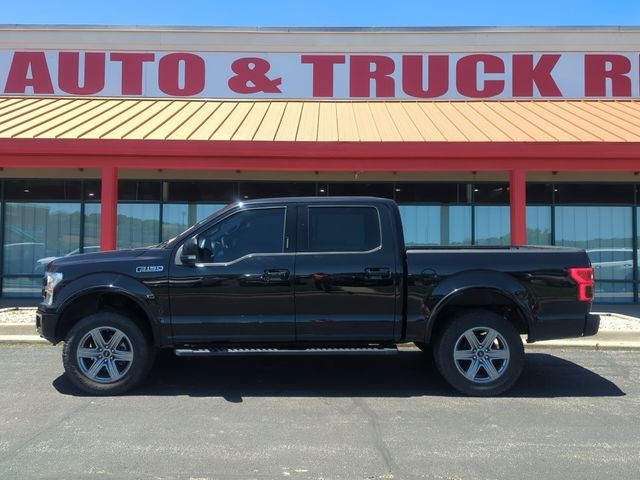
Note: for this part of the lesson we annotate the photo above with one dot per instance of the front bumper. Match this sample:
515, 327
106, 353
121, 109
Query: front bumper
46, 324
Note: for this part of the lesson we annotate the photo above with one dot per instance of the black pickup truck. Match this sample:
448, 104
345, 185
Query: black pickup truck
311, 274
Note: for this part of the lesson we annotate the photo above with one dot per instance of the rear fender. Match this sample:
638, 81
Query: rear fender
479, 287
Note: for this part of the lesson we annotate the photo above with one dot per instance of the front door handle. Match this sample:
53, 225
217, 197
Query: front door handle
276, 274
377, 272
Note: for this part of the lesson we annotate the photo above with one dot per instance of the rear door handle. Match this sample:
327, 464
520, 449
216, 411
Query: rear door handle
377, 272
276, 274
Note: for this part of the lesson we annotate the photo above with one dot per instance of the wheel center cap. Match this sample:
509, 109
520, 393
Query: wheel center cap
480, 353
106, 353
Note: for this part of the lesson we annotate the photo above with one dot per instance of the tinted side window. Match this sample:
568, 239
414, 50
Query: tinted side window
343, 229
251, 231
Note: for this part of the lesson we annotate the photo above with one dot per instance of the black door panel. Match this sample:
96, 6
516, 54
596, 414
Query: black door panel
243, 289
350, 295
337, 301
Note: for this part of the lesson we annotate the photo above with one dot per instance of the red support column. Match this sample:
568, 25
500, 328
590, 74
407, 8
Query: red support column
109, 206
518, 199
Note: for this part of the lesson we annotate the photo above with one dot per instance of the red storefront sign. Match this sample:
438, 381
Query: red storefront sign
307, 76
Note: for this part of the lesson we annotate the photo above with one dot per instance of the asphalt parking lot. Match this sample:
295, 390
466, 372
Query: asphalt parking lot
573, 414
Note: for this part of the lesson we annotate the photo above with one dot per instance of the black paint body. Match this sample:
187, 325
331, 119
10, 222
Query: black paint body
299, 297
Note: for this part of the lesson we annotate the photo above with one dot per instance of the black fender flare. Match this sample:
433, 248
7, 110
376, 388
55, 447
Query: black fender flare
116, 283
475, 281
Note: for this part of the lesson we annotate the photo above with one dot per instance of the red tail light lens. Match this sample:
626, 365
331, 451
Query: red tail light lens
586, 282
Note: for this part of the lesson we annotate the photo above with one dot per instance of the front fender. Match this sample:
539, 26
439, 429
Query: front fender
117, 283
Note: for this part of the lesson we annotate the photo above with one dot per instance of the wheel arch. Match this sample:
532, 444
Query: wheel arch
99, 299
479, 297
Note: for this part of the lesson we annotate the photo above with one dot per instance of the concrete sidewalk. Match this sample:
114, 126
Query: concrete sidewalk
617, 332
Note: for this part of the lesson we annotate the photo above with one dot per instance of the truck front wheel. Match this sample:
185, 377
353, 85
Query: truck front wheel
479, 353
106, 354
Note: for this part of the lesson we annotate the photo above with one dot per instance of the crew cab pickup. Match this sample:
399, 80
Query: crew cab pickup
312, 274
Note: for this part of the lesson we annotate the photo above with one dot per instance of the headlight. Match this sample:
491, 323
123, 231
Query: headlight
52, 279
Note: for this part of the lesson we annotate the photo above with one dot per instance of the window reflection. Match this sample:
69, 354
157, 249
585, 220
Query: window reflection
34, 235
539, 225
138, 225
91, 227
436, 224
606, 234
492, 225
176, 218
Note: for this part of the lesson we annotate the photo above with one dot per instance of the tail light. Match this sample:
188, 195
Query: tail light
586, 282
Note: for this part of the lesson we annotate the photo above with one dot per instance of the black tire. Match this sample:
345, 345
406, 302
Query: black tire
126, 373
470, 376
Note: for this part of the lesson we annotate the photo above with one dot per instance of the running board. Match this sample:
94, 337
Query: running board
220, 352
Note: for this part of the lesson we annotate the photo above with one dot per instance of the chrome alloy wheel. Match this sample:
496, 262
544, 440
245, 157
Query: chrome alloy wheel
105, 354
481, 354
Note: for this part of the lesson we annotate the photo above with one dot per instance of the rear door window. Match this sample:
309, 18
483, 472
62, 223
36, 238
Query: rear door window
344, 229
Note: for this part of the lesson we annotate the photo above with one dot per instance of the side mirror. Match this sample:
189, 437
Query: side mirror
190, 252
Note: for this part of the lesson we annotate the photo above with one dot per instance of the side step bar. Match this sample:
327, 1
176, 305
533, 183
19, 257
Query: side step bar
223, 352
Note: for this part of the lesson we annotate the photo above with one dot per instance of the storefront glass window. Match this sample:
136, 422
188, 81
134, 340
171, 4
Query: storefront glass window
593, 193
177, 217
539, 225
139, 190
539, 193
138, 224
491, 193
92, 227
35, 234
432, 192
252, 190
201, 191
606, 234
41, 190
492, 225
436, 224
383, 190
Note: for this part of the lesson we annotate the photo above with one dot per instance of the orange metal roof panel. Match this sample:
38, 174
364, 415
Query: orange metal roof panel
271, 122
321, 121
367, 130
159, 124
37, 123
212, 122
127, 113
538, 122
347, 127
231, 124
249, 127
308, 125
191, 124
288, 128
403, 122
505, 121
327, 122
385, 125
445, 125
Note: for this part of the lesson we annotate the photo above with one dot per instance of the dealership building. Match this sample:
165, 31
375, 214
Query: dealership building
123, 137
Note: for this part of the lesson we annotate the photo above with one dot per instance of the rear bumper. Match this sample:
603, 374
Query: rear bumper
591, 325
554, 328
46, 324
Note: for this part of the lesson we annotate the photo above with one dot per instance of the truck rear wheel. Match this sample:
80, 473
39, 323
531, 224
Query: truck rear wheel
106, 354
479, 353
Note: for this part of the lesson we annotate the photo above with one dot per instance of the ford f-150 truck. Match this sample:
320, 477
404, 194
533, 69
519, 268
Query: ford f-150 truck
310, 274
